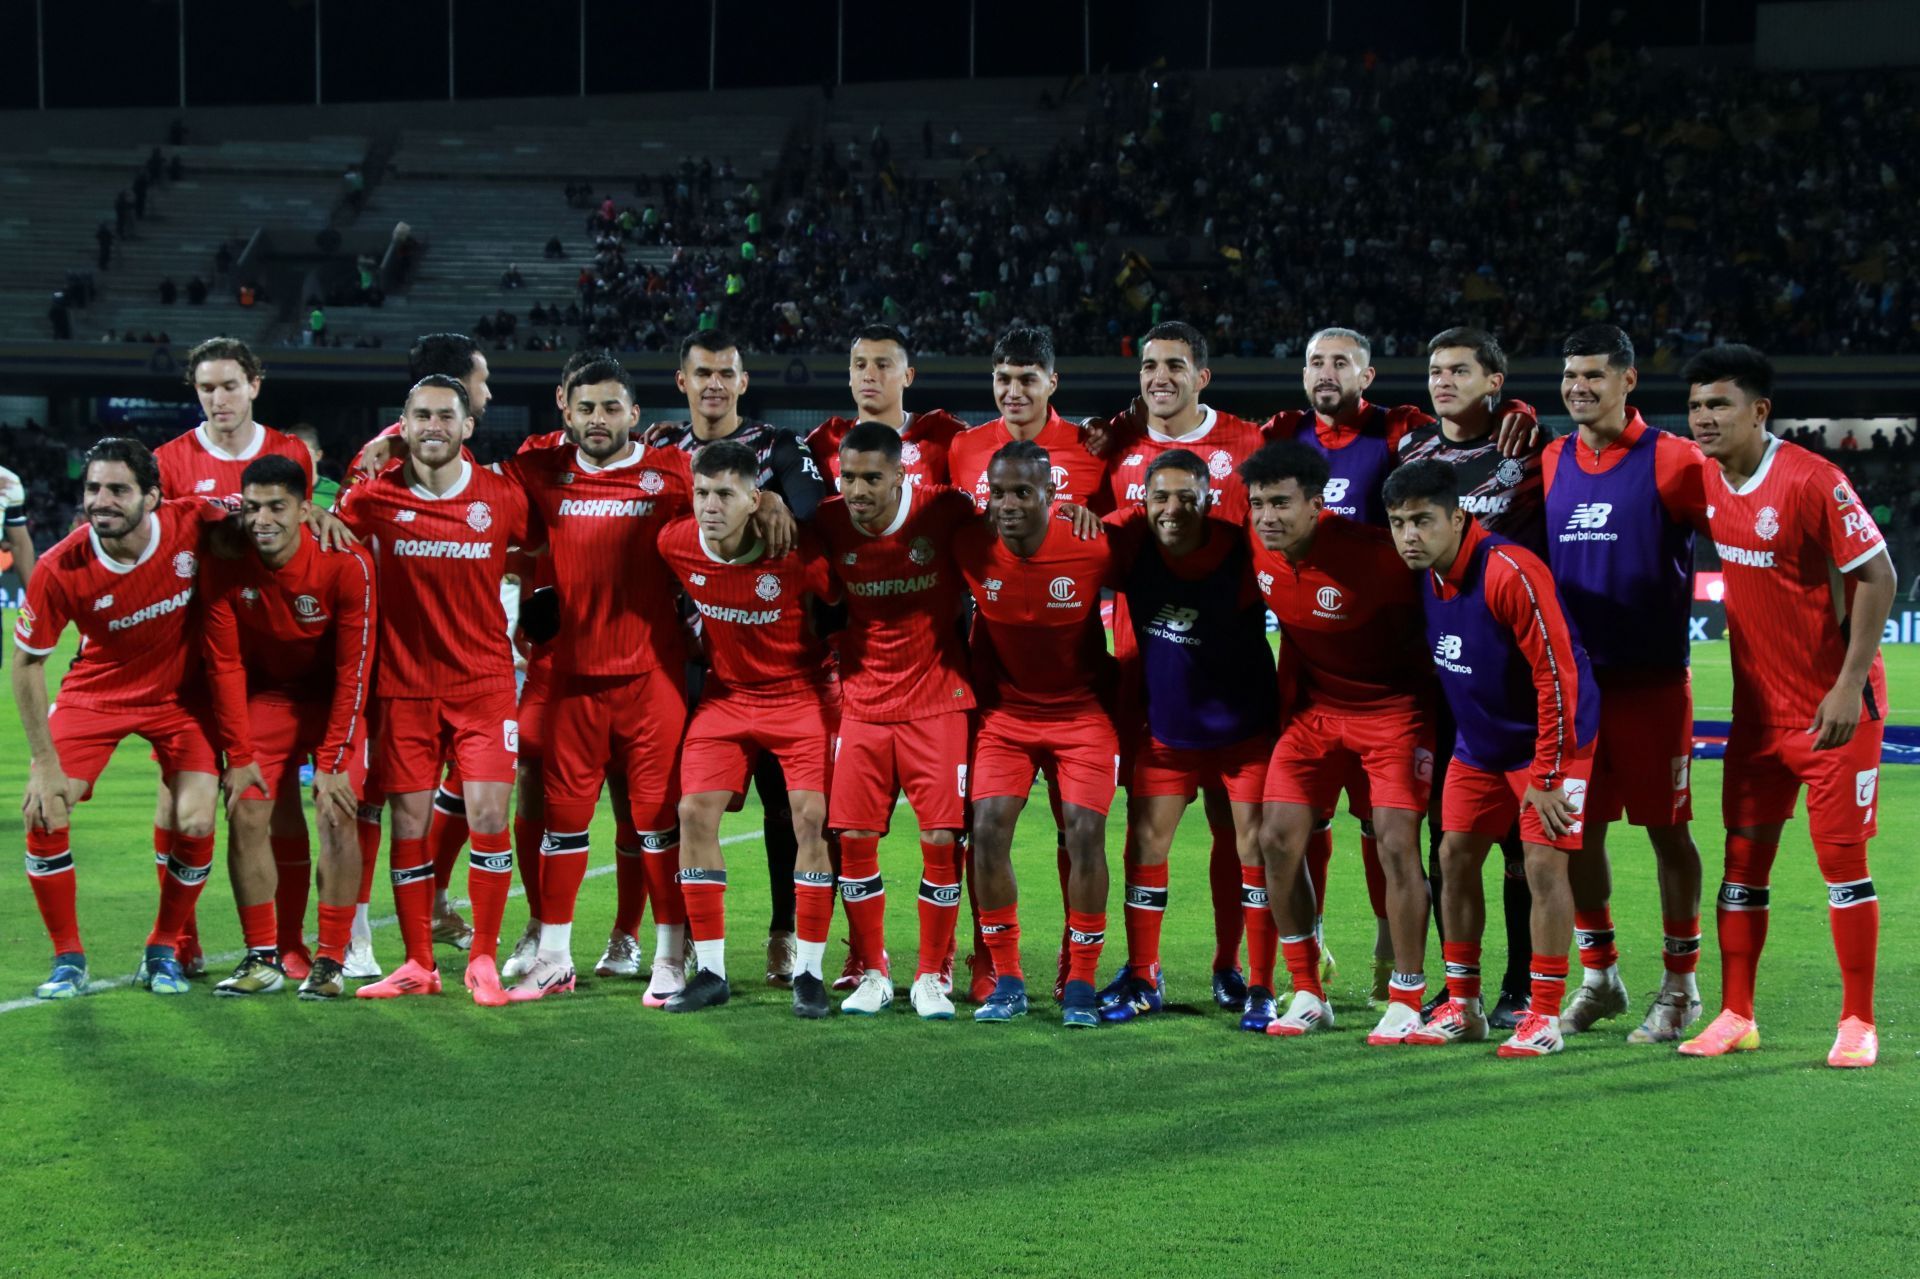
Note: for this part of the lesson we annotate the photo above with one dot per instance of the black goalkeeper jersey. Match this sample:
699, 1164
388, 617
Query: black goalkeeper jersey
1505, 494
786, 466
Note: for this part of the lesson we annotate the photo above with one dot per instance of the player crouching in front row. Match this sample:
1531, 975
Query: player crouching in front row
1523, 697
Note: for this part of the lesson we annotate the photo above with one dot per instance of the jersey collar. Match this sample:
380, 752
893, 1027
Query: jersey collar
752, 556
1451, 583
115, 566
1207, 418
899, 517
459, 486
246, 454
1759, 472
581, 461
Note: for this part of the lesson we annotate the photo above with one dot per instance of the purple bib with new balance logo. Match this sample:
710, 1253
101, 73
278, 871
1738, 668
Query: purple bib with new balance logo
1358, 470
1487, 680
1624, 567
1205, 656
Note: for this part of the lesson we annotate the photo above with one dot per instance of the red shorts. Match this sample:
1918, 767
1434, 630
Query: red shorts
1643, 759
416, 735
1241, 768
536, 698
727, 734
285, 735
1321, 752
84, 738
1767, 766
1079, 753
1478, 802
872, 763
632, 723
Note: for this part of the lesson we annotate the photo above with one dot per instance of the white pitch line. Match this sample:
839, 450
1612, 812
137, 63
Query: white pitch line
114, 983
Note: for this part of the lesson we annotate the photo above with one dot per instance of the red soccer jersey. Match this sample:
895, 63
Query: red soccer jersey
760, 641
924, 442
1353, 638
900, 656
441, 559
139, 634
302, 631
602, 527
192, 465
1038, 643
1780, 537
1222, 441
1078, 475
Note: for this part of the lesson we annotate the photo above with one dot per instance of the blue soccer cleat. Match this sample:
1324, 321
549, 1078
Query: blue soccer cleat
1079, 1005
160, 972
1008, 1000
1140, 998
1116, 990
1229, 989
67, 980
1260, 1010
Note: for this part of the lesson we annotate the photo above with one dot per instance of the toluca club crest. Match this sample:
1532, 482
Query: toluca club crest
767, 587
921, 552
909, 452
185, 563
1220, 464
1509, 473
652, 481
306, 606
479, 516
1766, 525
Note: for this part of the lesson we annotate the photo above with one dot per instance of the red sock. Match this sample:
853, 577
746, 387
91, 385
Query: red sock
292, 857
1593, 934
1681, 953
528, 855
1146, 909
939, 905
812, 906
1001, 929
563, 868
1463, 968
662, 858
1376, 877
164, 842
446, 835
489, 879
412, 873
1263, 935
1853, 914
50, 874
1740, 918
367, 830
336, 923
1319, 856
630, 886
257, 926
187, 870
864, 894
1086, 935
1549, 977
705, 892
1223, 885
1303, 963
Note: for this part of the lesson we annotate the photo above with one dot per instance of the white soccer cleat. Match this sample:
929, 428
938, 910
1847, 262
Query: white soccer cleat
360, 963
622, 957
1306, 1014
929, 1000
874, 994
1590, 1004
1396, 1024
1672, 1014
1535, 1036
1457, 1021
525, 952
667, 981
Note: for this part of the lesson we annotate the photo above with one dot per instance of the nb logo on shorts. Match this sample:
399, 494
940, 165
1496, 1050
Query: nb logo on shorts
1590, 515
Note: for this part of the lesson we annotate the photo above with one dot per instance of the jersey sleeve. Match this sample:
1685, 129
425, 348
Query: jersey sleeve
817, 578
795, 477
354, 611
226, 674
1839, 520
37, 628
1402, 420
1521, 594
1126, 532
1284, 425
820, 447
1680, 472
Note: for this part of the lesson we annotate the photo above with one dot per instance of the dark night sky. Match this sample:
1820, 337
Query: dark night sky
126, 52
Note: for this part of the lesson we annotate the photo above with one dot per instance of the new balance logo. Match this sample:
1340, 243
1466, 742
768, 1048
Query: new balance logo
1590, 515
105, 601
204, 486
1448, 649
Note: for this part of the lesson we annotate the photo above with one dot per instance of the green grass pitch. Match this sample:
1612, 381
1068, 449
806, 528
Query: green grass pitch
588, 1136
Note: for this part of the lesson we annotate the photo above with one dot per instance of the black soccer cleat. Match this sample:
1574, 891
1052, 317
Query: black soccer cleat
706, 990
1229, 989
1509, 1010
810, 997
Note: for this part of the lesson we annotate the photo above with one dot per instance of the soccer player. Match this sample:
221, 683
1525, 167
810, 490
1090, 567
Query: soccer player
1355, 698
1043, 677
713, 377
905, 700
768, 690
1623, 499
441, 526
879, 370
618, 696
1809, 690
1168, 415
1501, 488
207, 461
1525, 714
289, 636
1199, 630
126, 581
1024, 382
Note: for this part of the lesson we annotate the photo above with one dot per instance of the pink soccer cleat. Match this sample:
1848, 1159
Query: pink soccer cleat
483, 979
1727, 1033
1857, 1045
410, 978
